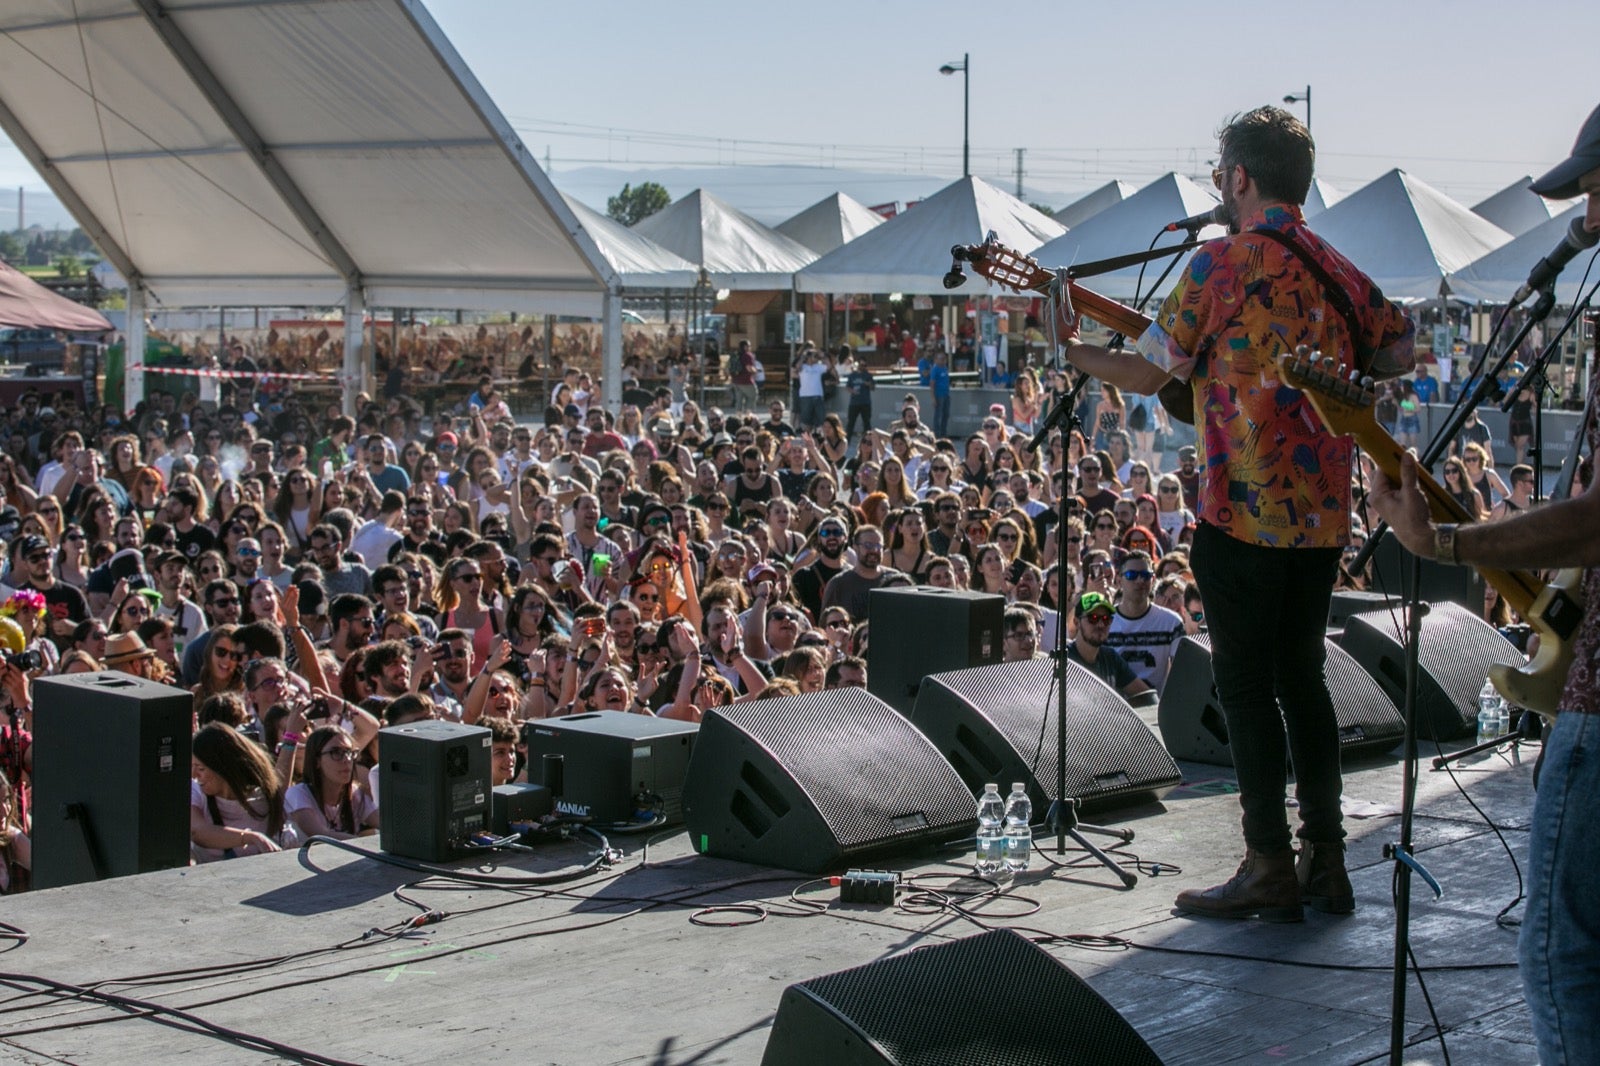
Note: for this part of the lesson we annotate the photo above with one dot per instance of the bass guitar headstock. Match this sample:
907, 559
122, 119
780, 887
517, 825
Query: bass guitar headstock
1345, 401
1004, 266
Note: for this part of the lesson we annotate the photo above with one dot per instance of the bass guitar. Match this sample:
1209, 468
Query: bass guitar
1552, 609
1010, 269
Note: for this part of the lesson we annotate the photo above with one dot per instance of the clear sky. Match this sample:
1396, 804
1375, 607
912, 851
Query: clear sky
1467, 95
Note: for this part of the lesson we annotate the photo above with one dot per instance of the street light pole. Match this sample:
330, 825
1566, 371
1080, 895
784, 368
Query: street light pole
1295, 98
965, 67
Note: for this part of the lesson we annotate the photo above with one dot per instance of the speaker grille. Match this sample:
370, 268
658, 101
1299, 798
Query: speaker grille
998, 723
1454, 655
1194, 729
981, 1001
855, 757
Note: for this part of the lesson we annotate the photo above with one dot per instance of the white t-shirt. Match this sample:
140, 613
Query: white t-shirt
1147, 642
236, 815
299, 798
810, 375
373, 541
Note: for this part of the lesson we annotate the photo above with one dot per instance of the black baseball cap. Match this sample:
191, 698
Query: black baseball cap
1561, 183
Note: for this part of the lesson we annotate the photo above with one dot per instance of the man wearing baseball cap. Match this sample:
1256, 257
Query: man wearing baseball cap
1094, 612
1559, 946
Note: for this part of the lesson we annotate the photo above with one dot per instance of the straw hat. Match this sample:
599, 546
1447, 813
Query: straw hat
126, 647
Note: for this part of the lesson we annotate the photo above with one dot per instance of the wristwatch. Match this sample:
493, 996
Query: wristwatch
1444, 544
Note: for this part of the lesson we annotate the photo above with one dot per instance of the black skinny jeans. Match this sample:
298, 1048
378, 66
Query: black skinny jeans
1267, 610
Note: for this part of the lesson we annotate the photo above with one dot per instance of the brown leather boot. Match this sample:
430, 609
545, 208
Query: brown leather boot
1324, 884
1265, 887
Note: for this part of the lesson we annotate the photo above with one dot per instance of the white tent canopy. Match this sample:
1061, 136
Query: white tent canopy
831, 222
1128, 227
1090, 204
639, 262
736, 250
910, 253
1495, 276
1406, 235
1320, 197
1515, 208
281, 153
315, 153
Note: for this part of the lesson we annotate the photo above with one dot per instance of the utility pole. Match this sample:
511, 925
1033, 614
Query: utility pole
1020, 152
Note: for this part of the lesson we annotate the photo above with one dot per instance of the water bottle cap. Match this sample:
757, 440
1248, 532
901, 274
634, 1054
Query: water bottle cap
991, 787
1018, 786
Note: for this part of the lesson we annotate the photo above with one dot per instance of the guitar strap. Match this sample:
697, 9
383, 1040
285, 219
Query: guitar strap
1333, 291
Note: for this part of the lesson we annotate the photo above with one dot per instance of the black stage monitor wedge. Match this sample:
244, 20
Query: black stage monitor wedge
944, 1005
998, 723
110, 777
434, 777
915, 632
617, 768
1193, 727
818, 781
1453, 660
1348, 602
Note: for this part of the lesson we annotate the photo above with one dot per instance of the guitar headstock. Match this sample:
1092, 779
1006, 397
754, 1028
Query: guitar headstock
1006, 267
1345, 401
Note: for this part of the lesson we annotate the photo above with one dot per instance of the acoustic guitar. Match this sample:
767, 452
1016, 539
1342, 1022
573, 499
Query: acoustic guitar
1552, 609
1011, 269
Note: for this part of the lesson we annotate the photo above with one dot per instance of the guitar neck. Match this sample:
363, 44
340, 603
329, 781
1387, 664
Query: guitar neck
1519, 587
1125, 320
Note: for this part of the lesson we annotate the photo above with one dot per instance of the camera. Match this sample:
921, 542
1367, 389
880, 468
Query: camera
319, 709
32, 659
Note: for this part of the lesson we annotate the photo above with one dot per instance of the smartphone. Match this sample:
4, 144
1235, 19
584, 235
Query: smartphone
980, 512
1016, 571
590, 628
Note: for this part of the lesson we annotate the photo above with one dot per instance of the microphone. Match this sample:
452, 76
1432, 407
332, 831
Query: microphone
1214, 217
1546, 270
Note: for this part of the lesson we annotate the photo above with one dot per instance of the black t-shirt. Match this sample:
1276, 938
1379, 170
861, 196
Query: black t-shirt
197, 540
62, 601
433, 548
794, 482
1104, 500
1108, 666
860, 384
808, 583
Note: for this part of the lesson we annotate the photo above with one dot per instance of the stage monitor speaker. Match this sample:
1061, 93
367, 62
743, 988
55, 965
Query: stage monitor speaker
998, 723
435, 779
614, 767
817, 781
947, 1005
1453, 660
110, 777
1194, 729
1391, 570
915, 632
1348, 602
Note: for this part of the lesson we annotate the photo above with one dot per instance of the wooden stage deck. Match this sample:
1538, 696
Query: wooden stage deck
613, 970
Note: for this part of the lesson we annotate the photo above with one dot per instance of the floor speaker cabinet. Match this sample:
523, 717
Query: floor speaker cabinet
110, 777
998, 723
1453, 658
435, 779
818, 782
946, 1005
611, 767
1348, 602
1391, 569
1193, 727
920, 631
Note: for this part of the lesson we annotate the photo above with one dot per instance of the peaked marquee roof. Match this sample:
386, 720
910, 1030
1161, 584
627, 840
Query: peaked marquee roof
1515, 208
1092, 203
736, 250
1495, 276
639, 262
281, 153
910, 253
26, 303
1406, 235
831, 222
1129, 226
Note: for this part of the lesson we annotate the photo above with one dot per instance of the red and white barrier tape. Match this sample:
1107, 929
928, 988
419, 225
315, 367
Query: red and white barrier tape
204, 372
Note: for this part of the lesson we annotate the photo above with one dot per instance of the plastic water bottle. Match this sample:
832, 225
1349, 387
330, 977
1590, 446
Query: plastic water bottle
1491, 713
991, 833
1018, 828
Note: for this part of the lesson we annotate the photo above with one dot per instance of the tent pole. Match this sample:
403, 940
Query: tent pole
611, 355
354, 331
133, 349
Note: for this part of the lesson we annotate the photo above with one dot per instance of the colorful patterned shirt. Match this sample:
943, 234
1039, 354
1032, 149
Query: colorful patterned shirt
1582, 694
1271, 473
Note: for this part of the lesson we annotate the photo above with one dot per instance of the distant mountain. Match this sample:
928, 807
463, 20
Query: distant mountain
772, 194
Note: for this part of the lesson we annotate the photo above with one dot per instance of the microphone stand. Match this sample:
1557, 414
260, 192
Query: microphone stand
1062, 818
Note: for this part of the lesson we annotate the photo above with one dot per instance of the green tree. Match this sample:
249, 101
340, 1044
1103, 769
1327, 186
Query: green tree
1048, 212
12, 248
69, 266
631, 204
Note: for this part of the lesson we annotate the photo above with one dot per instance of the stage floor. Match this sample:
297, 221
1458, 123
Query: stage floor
613, 969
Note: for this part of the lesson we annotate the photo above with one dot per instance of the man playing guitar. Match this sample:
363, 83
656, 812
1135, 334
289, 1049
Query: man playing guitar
1559, 946
1274, 501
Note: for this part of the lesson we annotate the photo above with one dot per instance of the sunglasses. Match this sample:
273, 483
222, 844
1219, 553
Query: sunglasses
340, 754
1005, 536
1098, 617
1169, 492
229, 601
1197, 616
230, 653
1136, 575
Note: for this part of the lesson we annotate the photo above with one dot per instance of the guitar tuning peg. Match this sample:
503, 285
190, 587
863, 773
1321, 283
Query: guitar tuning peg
1330, 363
1355, 377
1368, 382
